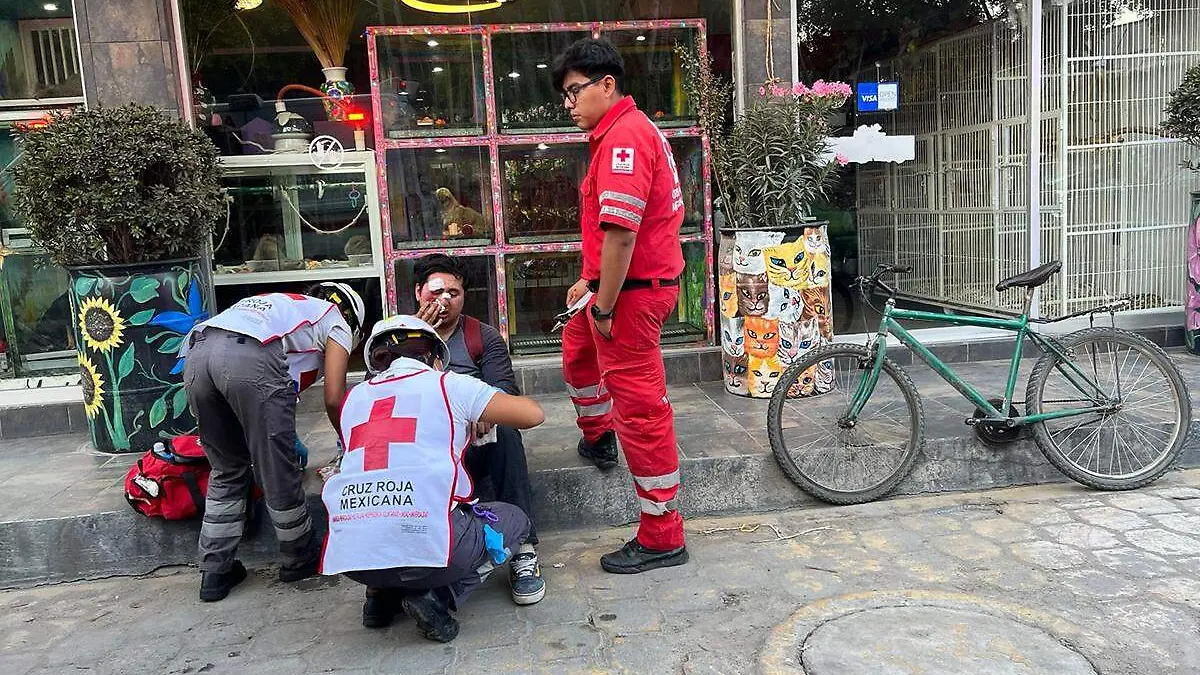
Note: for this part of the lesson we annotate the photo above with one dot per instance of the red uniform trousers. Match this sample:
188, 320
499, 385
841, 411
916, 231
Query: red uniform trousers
621, 384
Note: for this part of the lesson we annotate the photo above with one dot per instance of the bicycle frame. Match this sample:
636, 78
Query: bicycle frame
889, 325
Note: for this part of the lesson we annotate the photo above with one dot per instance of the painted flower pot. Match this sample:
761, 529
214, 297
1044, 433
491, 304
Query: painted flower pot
1191, 331
774, 307
336, 87
129, 323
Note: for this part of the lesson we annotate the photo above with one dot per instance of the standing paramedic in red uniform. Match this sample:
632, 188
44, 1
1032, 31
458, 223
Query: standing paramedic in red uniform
631, 210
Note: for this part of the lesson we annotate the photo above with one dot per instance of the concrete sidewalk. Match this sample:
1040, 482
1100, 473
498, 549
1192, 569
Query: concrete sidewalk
63, 516
1050, 579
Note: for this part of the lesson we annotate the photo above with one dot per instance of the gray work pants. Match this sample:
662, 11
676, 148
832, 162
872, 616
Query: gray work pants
245, 404
470, 563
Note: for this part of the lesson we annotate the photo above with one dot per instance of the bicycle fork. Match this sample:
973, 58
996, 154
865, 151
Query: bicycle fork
877, 352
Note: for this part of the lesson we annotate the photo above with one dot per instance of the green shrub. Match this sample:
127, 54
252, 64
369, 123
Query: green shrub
1183, 110
117, 185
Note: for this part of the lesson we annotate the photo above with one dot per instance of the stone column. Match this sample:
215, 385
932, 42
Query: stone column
761, 18
128, 53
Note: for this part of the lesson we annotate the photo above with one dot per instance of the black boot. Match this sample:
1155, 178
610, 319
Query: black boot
633, 558
309, 568
432, 615
602, 453
215, 586
380, 607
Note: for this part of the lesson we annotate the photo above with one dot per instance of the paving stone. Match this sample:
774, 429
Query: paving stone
1186, 523
625, 618
1112, 518
1146, 504
1081, 536
509, 659
1004, 530
1134, 563
1164, 542
565, 641
1048, 554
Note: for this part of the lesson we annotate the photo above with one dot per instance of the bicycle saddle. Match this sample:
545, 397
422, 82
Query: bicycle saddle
1031, 279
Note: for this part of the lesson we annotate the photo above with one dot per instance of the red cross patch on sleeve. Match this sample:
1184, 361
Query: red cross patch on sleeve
622, 161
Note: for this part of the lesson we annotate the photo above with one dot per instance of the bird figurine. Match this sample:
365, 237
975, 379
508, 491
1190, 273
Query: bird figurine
458, 220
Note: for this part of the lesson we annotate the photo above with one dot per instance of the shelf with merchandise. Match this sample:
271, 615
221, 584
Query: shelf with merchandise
429, 87
514, 173
289, 221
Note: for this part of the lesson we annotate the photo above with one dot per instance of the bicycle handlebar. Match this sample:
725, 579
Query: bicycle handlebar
876, 279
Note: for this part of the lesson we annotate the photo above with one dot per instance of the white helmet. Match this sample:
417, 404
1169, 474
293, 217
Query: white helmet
395, 330
347, 301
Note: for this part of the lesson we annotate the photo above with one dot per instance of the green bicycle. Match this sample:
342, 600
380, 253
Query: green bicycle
1106, 406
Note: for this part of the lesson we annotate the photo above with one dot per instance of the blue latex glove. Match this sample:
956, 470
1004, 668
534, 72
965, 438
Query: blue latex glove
301, 452
493, 541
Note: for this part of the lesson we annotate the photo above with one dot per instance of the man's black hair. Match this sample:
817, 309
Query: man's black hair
438, 263
591, 57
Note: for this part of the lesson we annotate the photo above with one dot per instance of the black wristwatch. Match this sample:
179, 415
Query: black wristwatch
602, 316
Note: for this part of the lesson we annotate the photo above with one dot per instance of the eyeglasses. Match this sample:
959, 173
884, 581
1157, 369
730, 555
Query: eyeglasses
571, 93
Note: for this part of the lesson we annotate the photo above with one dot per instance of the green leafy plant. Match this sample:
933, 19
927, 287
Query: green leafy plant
1183, 112
774, 161
117, 185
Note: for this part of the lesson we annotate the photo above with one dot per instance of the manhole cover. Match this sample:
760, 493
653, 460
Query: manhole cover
934, 641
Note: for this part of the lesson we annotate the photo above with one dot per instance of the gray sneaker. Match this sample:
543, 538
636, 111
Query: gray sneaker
525, 577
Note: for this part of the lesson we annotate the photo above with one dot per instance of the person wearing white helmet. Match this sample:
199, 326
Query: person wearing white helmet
243, 370
402, 518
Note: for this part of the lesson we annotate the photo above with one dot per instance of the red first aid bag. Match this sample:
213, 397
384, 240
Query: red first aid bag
169, 481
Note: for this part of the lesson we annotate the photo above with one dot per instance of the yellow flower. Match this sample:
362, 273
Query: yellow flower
101, 325
93, 386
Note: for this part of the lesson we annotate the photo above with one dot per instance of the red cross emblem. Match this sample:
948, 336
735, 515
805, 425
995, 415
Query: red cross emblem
380, 429
623, 155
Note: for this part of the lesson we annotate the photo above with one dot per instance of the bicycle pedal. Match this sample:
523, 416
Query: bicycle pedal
972, 421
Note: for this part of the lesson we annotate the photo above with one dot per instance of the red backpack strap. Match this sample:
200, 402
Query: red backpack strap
473, 336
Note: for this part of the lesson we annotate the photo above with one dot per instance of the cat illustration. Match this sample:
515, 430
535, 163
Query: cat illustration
752, 294
764, 375
762, 337
725, 264
787, 265
735, 368
824, 377
733, 340
818, 275
816, 241
748, 250
796, 339
785, 304
727, 286
816, 305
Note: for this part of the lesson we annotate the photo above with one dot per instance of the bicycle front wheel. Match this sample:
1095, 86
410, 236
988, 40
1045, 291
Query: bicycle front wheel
1146, 409
820, 451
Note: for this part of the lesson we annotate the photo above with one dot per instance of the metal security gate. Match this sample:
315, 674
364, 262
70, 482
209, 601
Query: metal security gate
1113, 196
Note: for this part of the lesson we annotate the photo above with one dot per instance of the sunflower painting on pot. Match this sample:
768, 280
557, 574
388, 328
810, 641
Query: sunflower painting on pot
130, 322
774, 300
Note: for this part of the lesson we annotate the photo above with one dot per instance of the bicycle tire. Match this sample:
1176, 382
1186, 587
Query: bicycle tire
1061, 459
776, 411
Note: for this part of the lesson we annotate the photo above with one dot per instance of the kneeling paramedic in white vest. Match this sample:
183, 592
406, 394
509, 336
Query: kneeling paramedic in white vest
243, 370
401, 519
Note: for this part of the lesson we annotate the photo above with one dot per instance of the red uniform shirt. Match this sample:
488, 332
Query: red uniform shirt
632, 183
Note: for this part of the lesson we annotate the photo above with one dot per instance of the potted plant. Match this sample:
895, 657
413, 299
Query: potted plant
774, 272
1183, 121
125, 198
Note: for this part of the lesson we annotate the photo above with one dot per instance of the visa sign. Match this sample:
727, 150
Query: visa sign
877, 96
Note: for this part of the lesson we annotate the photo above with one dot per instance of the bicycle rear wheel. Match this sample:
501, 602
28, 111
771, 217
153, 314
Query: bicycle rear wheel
1128, 446
829, 459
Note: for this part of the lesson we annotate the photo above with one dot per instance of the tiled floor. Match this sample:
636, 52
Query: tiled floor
60, 476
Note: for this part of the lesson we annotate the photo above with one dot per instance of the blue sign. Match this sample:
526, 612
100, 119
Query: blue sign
877, 96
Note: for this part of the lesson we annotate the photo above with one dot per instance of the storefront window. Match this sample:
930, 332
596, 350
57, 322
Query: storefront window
35, 312
525, 96
431, 85
440, 197
541, 191
39, 58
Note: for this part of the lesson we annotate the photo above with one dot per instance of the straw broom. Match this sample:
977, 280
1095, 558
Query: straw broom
326, 26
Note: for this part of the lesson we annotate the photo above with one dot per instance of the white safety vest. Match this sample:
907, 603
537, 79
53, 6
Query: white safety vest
281, 316
401, 474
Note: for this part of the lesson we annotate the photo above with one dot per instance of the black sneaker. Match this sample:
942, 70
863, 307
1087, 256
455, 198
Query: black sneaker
306, 569
215, 586
525, 578
602, 453
431, 615
633, 558
380, 607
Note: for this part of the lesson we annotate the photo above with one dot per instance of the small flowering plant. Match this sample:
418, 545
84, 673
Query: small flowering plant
774, 161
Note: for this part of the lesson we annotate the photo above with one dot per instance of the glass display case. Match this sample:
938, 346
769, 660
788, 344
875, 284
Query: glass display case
430, 85
439, 197
480, 299
499, 181
289, 221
